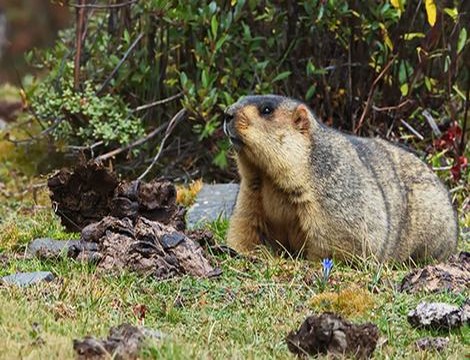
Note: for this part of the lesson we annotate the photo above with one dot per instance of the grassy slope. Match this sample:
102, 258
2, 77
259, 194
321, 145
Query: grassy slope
246, 313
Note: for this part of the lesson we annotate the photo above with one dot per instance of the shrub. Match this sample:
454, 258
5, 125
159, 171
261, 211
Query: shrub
395, 69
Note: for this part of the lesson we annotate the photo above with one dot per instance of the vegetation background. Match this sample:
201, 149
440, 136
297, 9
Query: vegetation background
128, 81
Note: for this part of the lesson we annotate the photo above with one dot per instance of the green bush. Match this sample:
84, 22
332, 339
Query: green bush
363, 66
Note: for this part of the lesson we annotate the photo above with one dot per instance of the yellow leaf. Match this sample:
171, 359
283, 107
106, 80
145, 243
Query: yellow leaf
397, 4
431, 11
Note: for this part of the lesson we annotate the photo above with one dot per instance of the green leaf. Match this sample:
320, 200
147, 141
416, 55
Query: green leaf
183, 79
411, 36
282, 76
462, 40
205, 78
310, 92
214, 26
404, 89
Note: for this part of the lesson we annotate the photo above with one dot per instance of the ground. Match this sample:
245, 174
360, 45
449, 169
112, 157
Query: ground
245, 313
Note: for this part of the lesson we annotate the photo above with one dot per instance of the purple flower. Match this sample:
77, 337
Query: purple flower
327, 266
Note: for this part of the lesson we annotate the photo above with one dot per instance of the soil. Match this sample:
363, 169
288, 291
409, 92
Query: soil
452, 276
330, 333
90, 192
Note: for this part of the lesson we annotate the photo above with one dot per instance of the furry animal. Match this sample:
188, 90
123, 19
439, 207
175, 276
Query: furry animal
308, 188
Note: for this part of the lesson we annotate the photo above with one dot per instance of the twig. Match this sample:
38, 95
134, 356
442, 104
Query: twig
78, 43
465, 117
372, 91
413, 130
132, 145
432, 123
115, 70
390, 108
158, 102
109, 6
173, 122
32, 138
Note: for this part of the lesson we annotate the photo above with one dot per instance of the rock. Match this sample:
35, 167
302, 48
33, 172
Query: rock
48, 248
430, 343
212, 202
329, 333
439, 316
27, 279
124, 342
452, 276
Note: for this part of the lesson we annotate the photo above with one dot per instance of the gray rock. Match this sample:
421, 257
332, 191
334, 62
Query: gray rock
27, 279
47, 248
430, 343
213, 202
439, 316
3, 124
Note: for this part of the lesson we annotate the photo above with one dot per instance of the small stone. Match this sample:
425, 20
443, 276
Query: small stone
50, 248
430, 343
439, 316
212, 202
26, 279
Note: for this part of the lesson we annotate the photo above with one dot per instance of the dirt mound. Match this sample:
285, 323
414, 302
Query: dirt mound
329, 333
452, 276
128, 225
147, 247
124, 342
91, 192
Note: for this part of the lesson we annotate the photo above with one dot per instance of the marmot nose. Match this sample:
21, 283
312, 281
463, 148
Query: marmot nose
228, 116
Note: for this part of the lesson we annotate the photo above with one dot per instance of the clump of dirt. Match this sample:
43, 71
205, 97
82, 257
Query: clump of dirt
452, 276
147, 247
128, 225
83, 195
91, 192
329, 333
124, 342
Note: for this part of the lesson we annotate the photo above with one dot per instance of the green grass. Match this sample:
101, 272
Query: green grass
244, 314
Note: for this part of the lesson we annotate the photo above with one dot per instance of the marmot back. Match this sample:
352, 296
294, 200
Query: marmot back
308, 188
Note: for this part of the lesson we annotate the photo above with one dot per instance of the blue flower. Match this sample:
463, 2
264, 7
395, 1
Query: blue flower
327, 266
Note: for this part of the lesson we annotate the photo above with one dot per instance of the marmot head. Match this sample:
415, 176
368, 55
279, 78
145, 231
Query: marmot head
269, 129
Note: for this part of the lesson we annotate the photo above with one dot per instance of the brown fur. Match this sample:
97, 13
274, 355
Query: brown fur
307, 188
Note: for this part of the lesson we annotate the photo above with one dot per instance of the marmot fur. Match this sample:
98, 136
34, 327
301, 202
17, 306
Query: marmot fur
308, 188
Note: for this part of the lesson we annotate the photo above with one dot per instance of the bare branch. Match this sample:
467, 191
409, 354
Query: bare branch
132, 145
158, 102
173, 122
115, 70
109, 6
372, 91
412, 129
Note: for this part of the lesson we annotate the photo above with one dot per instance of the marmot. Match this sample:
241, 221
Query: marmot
308, 188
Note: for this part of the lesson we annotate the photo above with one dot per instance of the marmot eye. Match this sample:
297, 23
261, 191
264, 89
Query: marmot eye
266, 110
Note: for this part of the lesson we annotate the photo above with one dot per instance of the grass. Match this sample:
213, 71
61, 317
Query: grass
244, 314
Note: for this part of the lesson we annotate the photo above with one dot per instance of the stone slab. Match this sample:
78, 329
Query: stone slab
212, 202
22, 279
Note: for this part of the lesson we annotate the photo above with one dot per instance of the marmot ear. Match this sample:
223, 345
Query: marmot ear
301, 119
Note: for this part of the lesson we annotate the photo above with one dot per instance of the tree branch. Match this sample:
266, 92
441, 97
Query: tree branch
173, 122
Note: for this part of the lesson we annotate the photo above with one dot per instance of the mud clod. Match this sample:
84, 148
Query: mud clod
329, 333
90, 192
452, 276
147, 247
124, 342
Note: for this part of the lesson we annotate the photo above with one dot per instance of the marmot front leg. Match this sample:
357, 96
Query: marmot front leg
246, 224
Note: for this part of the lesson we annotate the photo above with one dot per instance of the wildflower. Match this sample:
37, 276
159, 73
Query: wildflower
327, 266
